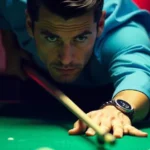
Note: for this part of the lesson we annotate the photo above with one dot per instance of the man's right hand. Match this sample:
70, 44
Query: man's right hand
14, 54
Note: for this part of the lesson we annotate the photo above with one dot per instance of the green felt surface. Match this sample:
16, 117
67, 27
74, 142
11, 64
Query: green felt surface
32, 134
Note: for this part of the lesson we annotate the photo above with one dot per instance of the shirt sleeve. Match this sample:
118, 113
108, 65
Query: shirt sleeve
126, 54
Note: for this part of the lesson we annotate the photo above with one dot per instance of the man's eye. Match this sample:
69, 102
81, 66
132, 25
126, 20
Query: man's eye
81, 38
51, 39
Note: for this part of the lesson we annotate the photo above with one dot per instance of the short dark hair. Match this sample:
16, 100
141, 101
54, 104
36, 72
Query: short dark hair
65, 8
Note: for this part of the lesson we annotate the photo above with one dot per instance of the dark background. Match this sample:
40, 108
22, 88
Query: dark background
27, 97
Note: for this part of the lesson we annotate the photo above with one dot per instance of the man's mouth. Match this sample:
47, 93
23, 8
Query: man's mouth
66, 70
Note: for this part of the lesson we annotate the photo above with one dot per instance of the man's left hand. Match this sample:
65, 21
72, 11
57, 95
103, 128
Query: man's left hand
109, 119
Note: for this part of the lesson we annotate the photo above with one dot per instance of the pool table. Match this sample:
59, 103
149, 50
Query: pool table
51, 134
42, 123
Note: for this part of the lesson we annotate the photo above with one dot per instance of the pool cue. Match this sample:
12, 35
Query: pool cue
59, 95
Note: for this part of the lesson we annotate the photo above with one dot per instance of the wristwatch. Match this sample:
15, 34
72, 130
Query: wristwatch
121, 105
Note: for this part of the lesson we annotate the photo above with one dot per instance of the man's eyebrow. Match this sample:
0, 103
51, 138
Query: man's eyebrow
84, 33
48, 33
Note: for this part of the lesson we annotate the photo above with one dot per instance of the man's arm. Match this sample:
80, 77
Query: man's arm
127, 56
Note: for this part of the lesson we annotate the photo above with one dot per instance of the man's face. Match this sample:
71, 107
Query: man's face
64, 46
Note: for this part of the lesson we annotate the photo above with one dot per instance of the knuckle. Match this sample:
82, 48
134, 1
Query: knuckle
112, 117
106, 127
127, 126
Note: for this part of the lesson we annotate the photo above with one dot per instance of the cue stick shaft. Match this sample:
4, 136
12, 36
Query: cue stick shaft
64, 100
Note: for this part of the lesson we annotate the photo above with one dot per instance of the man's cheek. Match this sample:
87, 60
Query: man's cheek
42, 55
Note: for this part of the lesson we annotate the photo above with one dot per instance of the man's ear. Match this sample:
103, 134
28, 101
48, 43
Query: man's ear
101, 23
29, 24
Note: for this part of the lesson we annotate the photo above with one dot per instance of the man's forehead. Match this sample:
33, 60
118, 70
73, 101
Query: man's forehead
48, 18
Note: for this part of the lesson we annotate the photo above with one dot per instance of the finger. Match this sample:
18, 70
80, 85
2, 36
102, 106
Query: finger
79, 127
106, 124
125, 130
128, 129
117, 128
90, 131
126, 123
96, 119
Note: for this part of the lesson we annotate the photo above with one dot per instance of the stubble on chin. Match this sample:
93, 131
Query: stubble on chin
64, 79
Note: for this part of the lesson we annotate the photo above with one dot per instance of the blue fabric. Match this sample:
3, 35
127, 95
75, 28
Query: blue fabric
121, 55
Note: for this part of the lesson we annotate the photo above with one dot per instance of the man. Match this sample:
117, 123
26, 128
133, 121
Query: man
68, 39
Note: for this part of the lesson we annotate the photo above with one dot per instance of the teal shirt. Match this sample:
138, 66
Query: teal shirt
121, 55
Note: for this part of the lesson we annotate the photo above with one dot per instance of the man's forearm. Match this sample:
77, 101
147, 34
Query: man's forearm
139, 102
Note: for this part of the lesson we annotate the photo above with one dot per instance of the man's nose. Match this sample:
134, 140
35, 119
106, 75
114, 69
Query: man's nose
65, 54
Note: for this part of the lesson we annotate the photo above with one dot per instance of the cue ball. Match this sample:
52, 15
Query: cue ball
45, 148
108, 138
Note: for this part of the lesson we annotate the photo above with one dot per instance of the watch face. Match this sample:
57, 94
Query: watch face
124, 104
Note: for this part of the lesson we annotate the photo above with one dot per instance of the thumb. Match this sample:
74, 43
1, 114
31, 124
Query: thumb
79, 127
